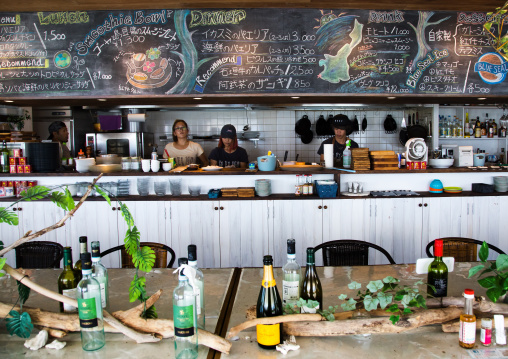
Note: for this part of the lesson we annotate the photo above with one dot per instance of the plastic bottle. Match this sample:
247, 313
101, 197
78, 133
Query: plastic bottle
346, 155
81, 154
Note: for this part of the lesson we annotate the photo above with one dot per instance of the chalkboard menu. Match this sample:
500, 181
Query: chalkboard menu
247, 51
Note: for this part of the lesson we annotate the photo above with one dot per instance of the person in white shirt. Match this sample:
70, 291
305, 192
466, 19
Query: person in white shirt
181, 149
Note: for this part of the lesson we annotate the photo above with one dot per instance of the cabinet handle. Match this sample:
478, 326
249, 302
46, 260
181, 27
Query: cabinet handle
425, 204
221, 208
216, 208
326, 207
419, 205
20, 209
14, 209
319, 207
113, 208
119, 208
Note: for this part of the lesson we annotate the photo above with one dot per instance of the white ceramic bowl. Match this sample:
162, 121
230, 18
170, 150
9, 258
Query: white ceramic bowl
83, 164
441, 162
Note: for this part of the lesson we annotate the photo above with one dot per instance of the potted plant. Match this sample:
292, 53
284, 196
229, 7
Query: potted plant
496, 280
17, 123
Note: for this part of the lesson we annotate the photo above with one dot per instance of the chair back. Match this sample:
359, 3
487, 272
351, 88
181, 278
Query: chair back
39, 254
349, 252
462, 249
161, 255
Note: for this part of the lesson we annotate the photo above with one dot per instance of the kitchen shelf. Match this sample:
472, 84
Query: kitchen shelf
470, 138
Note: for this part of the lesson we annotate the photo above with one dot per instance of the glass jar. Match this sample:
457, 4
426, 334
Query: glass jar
126, 163
135, 166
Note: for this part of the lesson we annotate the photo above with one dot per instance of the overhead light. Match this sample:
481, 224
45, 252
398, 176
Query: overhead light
198, 98
101, 99
391, 97
482, 98
9, 101
295, 97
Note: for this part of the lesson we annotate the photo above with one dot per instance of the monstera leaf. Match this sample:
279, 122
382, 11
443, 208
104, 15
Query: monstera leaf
19, 324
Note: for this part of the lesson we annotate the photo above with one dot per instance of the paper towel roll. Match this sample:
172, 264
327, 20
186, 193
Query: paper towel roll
136, 117
328, 153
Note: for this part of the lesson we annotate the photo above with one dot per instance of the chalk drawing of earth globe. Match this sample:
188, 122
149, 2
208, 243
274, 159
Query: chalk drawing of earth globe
62, 59
493, 59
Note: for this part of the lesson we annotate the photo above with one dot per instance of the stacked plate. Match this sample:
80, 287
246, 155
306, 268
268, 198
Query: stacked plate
263, 187
123, 188
501, 183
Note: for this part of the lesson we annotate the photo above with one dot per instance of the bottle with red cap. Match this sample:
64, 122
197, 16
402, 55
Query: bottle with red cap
467, 331
438, 272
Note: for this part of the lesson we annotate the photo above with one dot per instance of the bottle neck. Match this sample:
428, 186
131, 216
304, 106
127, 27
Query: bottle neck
67, 260
96, 259
82, 247
86, 272
291, 257
311, 261
468, 306
193, 264
268, 279
182, 279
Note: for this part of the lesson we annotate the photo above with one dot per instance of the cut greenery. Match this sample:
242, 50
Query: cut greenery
494, 28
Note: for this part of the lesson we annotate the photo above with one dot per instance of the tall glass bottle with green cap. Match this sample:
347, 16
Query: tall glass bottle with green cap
68, 281
311, 286
100, 273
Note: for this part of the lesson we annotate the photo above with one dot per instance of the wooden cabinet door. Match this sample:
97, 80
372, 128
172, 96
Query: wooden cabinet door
488, 221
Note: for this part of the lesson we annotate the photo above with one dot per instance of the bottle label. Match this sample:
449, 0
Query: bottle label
486, 336
310, 310
183, 318
87, 313
268, 283
441, 286
290, 291
467, 332
71, 293
268, 334
197, 293
103, 292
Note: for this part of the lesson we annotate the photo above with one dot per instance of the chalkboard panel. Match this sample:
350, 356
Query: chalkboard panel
246, 51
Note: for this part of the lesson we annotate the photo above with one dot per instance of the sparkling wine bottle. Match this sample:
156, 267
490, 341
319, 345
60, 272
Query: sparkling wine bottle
269, 305
200, 290
83, 248
90, 308
68, 281
438, 272
100, 273
185, 318
311, 286
292, 276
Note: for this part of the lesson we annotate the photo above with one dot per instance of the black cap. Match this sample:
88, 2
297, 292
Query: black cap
86, 260
341, 121
191, 248
267, 260
83, 239
228, 131
291, 246
182, 260
96, 249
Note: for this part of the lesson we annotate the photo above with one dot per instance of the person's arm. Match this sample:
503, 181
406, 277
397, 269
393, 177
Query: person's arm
213, 157
321, 158
243, 164
203, 159
213, 163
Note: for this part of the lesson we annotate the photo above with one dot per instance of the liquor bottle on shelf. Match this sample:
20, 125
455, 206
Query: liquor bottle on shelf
494, 128
90, 308
4, 158
467, 127
305, 186
311, 286
200, 290
83, 248
298, 189
100, 273
269, 305
291, 283
311, 185
478, 128
184, 317
467, 331
68, 281
438, 272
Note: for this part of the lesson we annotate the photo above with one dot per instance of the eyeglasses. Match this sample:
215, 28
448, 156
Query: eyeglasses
183, 128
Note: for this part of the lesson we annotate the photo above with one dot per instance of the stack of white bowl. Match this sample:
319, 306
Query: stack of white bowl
501, 183
263, 187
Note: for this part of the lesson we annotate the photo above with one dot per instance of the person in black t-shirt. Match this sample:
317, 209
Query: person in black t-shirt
342, 127
228, 153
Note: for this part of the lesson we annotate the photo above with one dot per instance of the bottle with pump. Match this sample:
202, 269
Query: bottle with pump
100, 273
467, 331
68, 281
83, 248
4, 158
199, 291
184, 317
269, 305
291, 283
346, 155
311, 286
90, 308
438, 272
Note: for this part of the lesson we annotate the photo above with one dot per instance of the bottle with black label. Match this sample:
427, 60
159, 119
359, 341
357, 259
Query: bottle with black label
83, 248
311, 286
438, 272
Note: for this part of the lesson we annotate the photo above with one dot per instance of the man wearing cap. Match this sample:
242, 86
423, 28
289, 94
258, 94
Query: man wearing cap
342, 127
58, 133
227, 153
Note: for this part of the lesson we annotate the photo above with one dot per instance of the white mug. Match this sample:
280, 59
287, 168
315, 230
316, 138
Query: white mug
166, 166
155, 165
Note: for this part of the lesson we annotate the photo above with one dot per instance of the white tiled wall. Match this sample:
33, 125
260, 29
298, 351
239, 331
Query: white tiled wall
277, 129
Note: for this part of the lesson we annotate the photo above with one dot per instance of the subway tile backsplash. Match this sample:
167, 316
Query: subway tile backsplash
277, 130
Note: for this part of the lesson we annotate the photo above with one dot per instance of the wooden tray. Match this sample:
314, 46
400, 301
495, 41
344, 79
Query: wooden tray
301, 168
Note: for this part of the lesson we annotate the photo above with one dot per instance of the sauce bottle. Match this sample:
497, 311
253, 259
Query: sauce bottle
467, 331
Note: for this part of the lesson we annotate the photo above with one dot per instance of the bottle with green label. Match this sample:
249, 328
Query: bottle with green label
83, 248
199, 291
90, 308
311, 286
4, 158
68, 281
291, 277
100, 273
185, 317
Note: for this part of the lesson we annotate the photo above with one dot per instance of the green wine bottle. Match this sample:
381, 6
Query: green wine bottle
90, 308
269, 305
83, 248
311, 286
100, 273
438, 272
68, 281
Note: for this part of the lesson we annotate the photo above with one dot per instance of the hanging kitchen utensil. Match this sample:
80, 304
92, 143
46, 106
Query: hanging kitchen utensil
322, 127
416, 131
330, 131
364, 123
403, 136
390, 125
286, 155
356, 126
302, 125
307, 137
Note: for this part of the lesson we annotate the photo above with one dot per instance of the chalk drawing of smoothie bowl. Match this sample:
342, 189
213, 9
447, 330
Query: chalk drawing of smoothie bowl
148, 70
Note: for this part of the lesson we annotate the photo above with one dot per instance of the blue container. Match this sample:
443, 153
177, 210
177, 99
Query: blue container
214, 193
267, 163
327, 190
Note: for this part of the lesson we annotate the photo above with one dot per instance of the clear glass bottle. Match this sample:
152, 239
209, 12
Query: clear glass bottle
486, 332
200, 291
90, 308
83, 248
311, 185
100, 273
68, 281
291, 272
185, 317
4, 158
311, 286
467, 127
297, 186
438, 272
467, 331
305, 186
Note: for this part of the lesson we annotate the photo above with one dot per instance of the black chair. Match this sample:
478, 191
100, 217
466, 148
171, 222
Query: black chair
39, 254
462, 249
161, 255
349, 252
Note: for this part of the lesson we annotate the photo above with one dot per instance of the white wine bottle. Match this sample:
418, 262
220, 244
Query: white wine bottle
291, 282
438, 272
100, 273
68, 281
90, 308
83, 248
185, 318
200, 290
311, 286
269, 305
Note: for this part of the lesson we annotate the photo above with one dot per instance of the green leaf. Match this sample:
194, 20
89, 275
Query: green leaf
70, 201
420, 299
35, 193
150, 313
309, 303
131, 240
349, 305
487, 26
342, 296
103, 194
474, 270
9, 217
494, 294
375, 285
137, 288
487, 282
393, 308
390, 279
24, 293
484, 252
127, 216
19, 324
61, 199
384, 299
144, 259
407, 311
420, 282
370, 303
394, 318
354, 285
2, 262
502, 262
